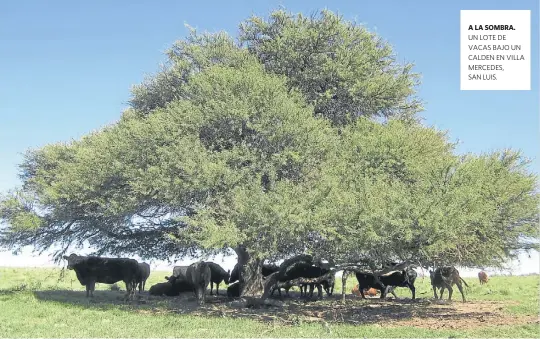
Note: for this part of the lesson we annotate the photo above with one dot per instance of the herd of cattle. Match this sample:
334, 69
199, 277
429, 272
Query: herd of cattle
197, 276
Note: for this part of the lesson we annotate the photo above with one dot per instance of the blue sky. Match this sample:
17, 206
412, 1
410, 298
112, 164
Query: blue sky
67, 67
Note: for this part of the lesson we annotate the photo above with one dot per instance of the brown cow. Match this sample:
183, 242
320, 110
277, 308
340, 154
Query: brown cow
370, 292
483, 277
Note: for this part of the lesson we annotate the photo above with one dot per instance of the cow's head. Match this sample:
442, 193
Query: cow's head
227, 277
72, 260
172, 279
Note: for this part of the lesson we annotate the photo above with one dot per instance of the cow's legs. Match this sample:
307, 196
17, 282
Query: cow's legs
460, 288
211, 287
128, 289
362, 292
319, 291
200, 295
435, 292
90, 287
413, 290
390, 289
450, 291
311, 287
217, 289
131, 286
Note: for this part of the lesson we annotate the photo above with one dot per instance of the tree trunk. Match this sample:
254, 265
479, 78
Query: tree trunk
250, 272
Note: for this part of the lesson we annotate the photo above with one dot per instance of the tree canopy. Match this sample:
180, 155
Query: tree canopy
300, 137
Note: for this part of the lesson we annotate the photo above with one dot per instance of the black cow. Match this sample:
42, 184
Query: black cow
328, 284
268, 269
160, 289
235, 274
233, 290
445, 277
304, 270
171, 288
144, 270
91, 270
199, 275
218, 274
390, 281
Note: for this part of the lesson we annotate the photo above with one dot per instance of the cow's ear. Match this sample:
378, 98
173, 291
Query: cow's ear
65, 257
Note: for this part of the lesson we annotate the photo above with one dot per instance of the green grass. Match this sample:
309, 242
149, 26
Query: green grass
36, 303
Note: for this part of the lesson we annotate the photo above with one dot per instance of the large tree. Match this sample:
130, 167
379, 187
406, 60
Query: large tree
274, 146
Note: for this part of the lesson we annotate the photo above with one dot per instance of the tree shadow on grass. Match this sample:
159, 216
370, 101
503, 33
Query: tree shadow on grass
332, 310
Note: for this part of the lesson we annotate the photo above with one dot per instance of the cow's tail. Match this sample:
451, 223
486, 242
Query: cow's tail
463, 281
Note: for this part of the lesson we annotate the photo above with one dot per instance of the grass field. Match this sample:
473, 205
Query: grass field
42, 303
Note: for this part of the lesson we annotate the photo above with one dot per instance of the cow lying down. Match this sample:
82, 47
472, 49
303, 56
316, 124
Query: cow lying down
171, 288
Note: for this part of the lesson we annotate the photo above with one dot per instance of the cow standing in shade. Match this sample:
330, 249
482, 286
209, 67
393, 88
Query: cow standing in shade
390, 280
218, 274
144, 270
199, 275
91, 270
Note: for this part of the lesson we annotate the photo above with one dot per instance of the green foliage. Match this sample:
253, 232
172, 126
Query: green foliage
238, 145
342, 69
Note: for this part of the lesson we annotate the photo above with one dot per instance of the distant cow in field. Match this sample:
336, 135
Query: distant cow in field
218, 274
445, 277
91, 270
144, 270
199, 275
390, 281
483, 277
